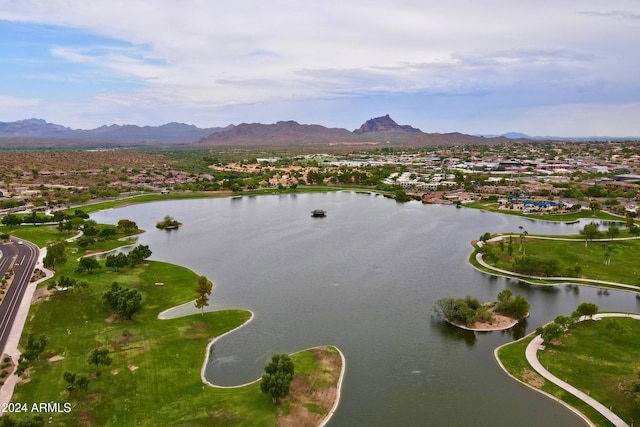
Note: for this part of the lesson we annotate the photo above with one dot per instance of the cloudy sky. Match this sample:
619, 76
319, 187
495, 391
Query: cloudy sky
563, 67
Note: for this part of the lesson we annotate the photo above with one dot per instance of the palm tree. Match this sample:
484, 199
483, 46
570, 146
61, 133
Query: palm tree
523, 233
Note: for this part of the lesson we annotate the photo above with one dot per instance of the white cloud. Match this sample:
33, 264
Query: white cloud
201, 54
9, 104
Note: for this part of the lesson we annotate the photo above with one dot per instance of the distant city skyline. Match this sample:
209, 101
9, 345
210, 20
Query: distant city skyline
563, 68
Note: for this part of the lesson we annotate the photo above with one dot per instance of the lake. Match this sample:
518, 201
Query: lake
365, 279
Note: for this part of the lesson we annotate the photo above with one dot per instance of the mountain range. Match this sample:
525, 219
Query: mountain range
379, 130
170, 133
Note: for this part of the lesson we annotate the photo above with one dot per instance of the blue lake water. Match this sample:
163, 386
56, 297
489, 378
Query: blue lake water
364, 279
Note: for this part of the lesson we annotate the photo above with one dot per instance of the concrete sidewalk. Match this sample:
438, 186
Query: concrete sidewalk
11, 347
532, 358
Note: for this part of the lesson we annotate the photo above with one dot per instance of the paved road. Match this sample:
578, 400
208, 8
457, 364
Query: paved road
25, 256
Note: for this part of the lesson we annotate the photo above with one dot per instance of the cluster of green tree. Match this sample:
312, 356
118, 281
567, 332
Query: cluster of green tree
32, 351
32, 420
561, 324
168, 223
133, 258
517, 308
598, 190
13, 220
468, 310
537, 266
76, 381
65, 282
124, 302
465, 311
10, 204
56, 255
278, 376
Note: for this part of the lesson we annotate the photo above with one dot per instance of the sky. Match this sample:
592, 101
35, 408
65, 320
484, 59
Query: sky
541, 67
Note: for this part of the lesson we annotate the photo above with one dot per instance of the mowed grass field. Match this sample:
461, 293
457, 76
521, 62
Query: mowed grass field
623, 267
154, 378
599, 359
512, 357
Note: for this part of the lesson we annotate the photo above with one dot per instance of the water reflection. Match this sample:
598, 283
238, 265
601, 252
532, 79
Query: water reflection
392, 261
451, 332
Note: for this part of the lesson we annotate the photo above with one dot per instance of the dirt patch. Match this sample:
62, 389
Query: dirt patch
498, 321
532, 378
41, 294
312, 397
133, 368
56, 358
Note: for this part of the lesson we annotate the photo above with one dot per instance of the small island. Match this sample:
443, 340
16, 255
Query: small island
168, 223
469, 313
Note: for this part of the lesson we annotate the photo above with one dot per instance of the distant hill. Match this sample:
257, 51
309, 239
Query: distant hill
280, 133
384, 124
518, 135
170, 133
380, 130
33, 133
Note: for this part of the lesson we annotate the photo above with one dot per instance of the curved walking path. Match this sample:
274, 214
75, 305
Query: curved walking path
532, 357
575, 280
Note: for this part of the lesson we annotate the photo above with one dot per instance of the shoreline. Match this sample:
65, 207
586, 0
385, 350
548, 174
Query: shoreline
497, 328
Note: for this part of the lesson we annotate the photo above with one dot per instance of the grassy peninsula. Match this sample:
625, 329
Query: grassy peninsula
154, 377
597, 357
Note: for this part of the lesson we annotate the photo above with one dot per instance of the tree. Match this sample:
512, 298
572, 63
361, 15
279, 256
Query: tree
117, 261
138, 254
486, 236
203, 291
278, 376
55, 255
594, 206
76, 381
551, 332
590, 232
87, 264
587, 309
99, 356
608, 249
125, 302
127, 225
613, 232
11, 220
523, 234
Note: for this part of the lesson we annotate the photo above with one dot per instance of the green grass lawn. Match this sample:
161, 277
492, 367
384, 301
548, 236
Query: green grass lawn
152, 197
595, 359
514, 361
623, 267
41, 235
567, 217
154, 378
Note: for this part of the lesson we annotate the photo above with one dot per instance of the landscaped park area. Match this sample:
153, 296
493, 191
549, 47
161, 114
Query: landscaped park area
598, 357
151, 374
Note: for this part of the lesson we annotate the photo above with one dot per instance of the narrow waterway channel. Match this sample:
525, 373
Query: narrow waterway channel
364, 279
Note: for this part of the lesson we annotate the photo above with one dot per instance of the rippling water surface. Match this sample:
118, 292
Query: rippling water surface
365, 279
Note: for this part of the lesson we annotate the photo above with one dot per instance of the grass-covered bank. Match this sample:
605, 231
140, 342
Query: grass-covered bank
608, 261
154, 378
558, 217
590, 357
179, 195
600, 357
